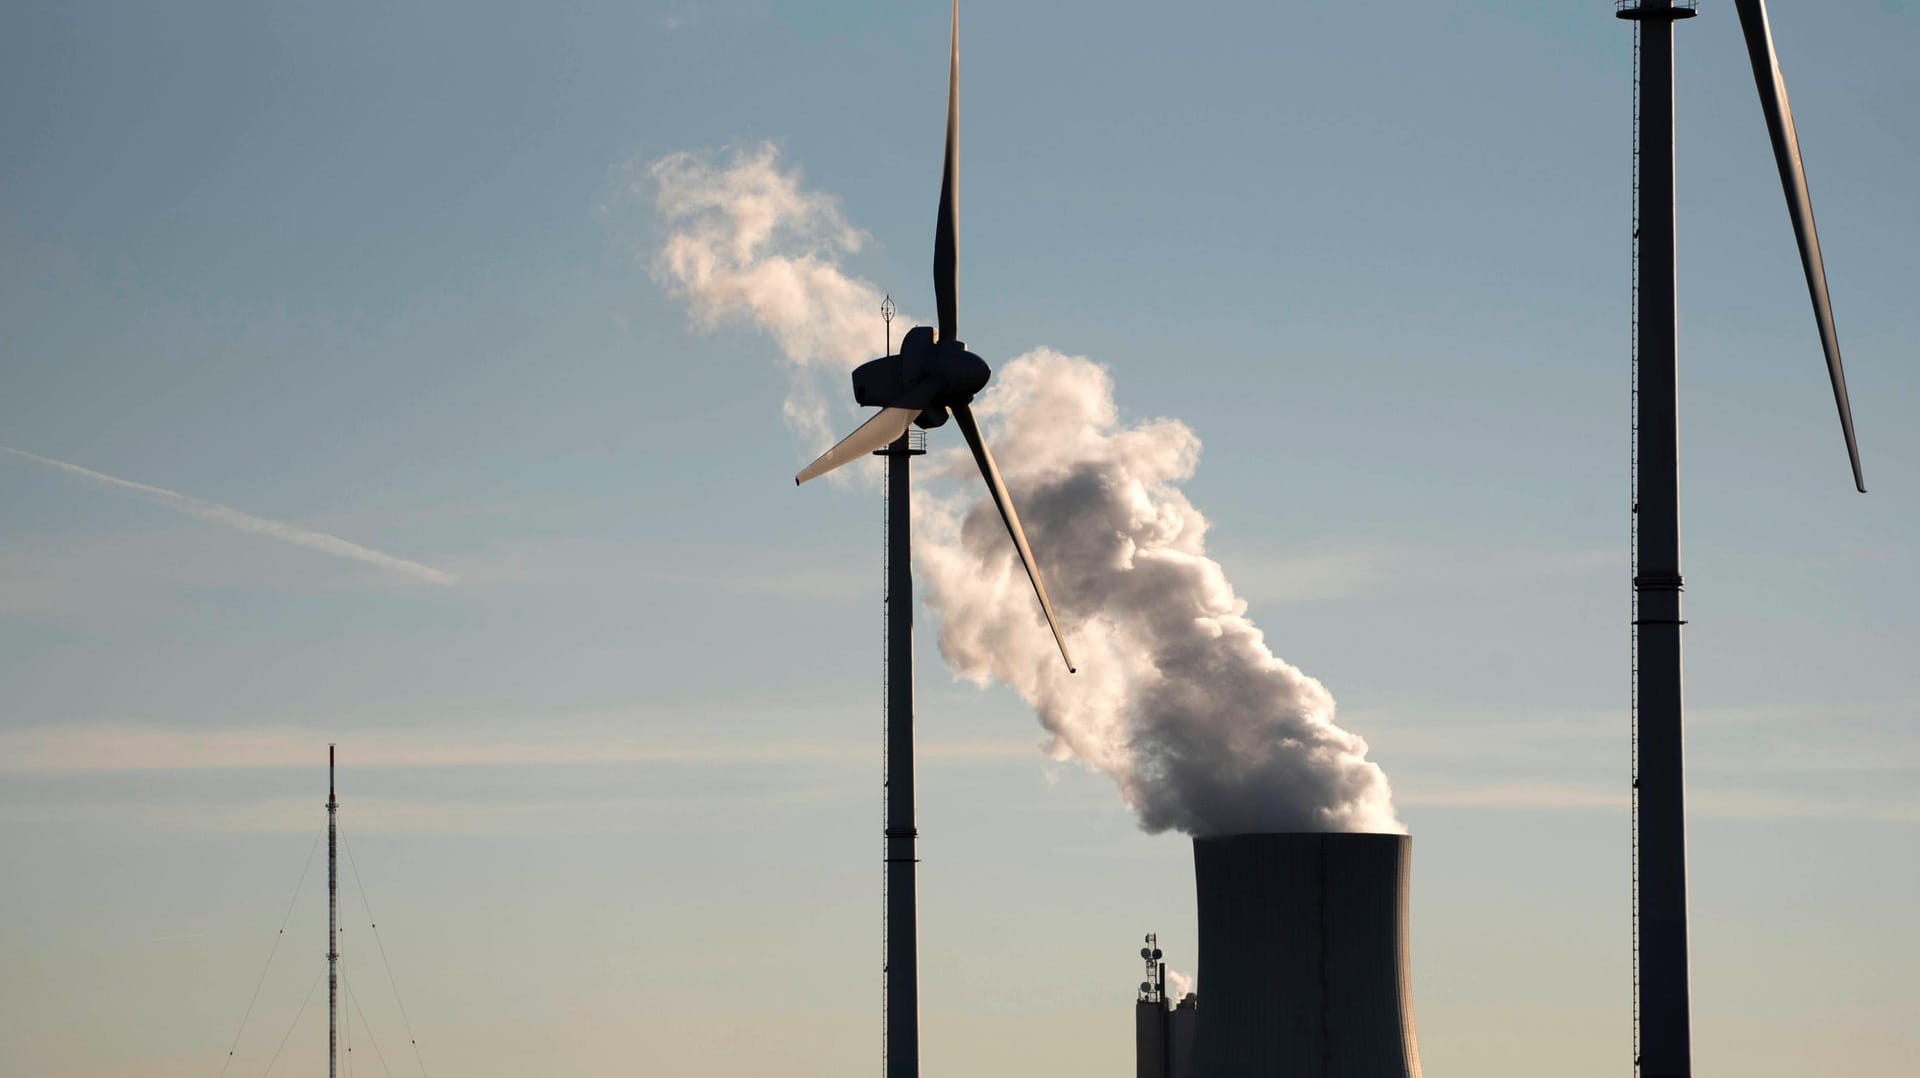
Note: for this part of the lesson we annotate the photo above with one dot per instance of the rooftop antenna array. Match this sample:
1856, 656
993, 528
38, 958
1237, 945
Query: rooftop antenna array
1154, 988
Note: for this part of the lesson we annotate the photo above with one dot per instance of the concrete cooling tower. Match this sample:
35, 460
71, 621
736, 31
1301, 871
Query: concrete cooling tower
1303, 957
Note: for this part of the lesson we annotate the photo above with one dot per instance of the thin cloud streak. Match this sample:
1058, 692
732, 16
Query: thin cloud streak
1331, 570
214, 513
1522, 795
1709, 804
115, 747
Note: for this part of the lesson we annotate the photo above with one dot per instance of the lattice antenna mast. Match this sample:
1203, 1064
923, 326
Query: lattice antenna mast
886, 315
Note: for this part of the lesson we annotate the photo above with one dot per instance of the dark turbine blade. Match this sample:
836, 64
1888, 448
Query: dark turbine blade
991, 472
884, 427
945, 253
1793, 179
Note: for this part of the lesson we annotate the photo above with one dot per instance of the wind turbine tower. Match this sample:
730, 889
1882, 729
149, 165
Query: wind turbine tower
932, 379
333, 924
900, 933
1662, 1035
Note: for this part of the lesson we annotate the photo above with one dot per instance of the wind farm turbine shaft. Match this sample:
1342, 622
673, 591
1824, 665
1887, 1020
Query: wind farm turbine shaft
1661, 886
901, 975
333, 924
932, 379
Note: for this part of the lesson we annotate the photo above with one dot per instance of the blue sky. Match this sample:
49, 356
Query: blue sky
376, 274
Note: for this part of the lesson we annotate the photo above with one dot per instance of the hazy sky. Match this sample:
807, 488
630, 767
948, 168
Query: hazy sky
345, 407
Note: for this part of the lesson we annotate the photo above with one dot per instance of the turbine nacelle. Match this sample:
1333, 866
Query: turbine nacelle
927, 375
934, 377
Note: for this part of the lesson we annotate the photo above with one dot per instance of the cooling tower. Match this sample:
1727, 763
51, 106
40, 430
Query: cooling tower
1303, 957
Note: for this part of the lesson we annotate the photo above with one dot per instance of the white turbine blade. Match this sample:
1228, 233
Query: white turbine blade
1793, 180
998, 488
884, 427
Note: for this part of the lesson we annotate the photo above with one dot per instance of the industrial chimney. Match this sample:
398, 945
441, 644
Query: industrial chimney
1303, 952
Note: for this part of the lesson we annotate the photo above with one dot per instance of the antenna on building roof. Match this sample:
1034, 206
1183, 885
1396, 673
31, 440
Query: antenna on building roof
1154, 988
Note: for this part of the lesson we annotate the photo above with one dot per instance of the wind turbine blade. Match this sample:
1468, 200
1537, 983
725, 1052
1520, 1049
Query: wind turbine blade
1793, 180
945, 231
886, 425
991, 472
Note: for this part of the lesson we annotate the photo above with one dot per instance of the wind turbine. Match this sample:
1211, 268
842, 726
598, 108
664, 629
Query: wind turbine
932, 377
1662, 1032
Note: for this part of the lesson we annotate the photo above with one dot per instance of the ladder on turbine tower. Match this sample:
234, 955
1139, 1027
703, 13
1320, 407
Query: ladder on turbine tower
886, 676
886, 702
1633, 559
915, 441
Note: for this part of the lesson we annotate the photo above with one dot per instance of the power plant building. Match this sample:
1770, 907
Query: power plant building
1304, 956
1163, 1029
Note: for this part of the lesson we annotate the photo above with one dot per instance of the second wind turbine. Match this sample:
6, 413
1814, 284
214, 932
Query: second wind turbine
933, 377
1663, 1039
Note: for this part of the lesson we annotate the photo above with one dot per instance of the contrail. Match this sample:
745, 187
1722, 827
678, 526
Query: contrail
233, 518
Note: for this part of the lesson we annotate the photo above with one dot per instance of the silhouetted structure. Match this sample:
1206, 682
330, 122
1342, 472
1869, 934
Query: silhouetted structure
1162, 1037
1661, 1031
1183, 1025
333, 924
935, 377
1303, 955
930, 379
1150, 1018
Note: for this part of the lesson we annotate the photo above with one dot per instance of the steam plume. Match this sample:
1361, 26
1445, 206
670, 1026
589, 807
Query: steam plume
233, 518
746, 244
1179, 699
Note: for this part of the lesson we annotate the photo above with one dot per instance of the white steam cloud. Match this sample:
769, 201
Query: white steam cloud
745, 244
1179, 699
215, 513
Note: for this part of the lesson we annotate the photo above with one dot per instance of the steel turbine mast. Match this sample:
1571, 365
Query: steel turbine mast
1663, 1032
933, 378
333, 924
900, 974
